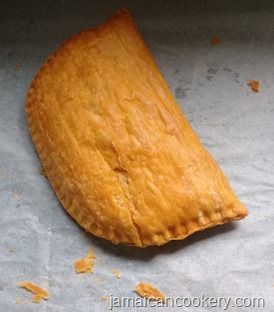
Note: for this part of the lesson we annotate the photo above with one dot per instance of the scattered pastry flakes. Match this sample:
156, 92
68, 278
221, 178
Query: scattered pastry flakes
148, 291
254, 85
38, 292
85, 265
215, 41
116, 273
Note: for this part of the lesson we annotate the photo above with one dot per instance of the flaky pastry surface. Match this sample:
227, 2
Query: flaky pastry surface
119, 153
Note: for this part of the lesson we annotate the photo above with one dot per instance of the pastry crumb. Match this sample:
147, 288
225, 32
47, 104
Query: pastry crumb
215, 41
85, 265
104, 298
116, 273
254, 85
38, 292
148, 291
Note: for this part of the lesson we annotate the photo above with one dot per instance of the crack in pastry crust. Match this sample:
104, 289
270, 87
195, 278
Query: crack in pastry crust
120, 155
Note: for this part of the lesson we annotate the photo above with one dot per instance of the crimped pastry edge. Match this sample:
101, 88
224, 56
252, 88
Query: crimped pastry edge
179, 232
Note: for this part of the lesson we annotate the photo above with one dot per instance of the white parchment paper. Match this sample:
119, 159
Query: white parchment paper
39, 242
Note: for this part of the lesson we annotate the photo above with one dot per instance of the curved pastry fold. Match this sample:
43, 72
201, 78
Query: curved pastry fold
120, 155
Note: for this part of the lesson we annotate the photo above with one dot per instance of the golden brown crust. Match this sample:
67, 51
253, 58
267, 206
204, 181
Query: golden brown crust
120, 155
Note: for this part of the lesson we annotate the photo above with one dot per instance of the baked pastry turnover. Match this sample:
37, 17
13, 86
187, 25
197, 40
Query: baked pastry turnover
120, 155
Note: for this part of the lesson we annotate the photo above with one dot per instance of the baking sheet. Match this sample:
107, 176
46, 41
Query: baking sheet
39, 242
